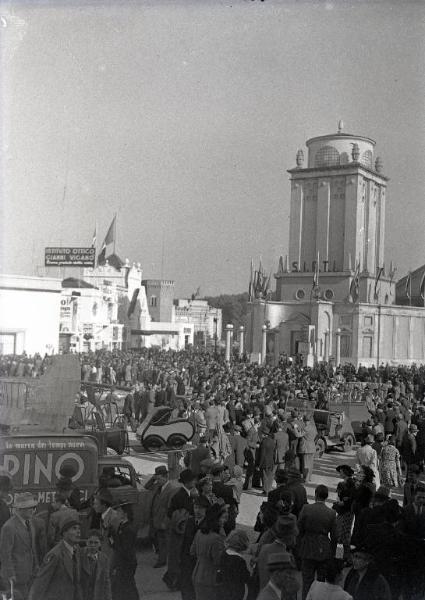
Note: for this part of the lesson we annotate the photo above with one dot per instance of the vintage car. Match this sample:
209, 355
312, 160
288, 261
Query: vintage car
159, 432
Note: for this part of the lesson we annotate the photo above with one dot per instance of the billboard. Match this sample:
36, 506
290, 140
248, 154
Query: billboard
70, 257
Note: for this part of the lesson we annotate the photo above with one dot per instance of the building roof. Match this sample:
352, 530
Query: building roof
73, 282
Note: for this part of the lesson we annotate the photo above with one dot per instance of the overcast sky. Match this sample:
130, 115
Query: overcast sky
183, 118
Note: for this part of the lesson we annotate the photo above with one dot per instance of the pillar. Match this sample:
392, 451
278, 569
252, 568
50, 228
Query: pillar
338, 347
241, 341
263, 344
229, 330
326, 348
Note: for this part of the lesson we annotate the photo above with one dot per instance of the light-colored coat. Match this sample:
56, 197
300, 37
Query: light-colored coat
20, 554
161, 504
55, 580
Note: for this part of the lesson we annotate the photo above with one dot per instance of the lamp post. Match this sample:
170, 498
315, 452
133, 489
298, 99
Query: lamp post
241, 341
263, 343
215, 335
229, 331
338, 347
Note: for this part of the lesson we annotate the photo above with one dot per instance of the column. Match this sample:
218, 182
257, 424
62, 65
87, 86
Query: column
241, 341
263, 344
326, 348
296, 223
338, 347
229, 330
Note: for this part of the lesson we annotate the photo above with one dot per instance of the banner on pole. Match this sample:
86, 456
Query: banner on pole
70, 257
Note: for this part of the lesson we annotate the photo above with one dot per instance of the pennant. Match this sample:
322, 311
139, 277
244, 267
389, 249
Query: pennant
355, 284
251, 282
94, 238
378, 277
110, 236
101, 259
316, 273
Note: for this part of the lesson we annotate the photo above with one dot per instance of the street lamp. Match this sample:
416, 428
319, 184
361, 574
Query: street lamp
215, 335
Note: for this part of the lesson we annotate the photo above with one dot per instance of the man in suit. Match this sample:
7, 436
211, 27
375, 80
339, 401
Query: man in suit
195, 457
239, 446
363, 581
108, 518
283, 580
281, 478
95, 578
297, 489
266, 461
306, 457
282, 443
22, 545
163, 490
60, 574
252, 444
180, 508
317, 538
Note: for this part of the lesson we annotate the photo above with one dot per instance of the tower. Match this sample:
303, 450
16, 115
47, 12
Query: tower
337, 213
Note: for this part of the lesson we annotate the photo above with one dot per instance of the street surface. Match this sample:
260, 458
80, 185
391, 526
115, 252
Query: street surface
149, 580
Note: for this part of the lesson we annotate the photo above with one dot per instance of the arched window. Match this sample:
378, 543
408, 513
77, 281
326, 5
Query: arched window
328, 156
153, 300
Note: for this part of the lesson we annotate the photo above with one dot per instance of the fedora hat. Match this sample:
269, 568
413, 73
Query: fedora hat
279, 561
285, 529
24, 500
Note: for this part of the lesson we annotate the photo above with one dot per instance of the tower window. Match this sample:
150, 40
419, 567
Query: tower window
153, 300
328, 156
366, 158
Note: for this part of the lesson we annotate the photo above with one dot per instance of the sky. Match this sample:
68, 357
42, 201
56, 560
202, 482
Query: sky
183, 117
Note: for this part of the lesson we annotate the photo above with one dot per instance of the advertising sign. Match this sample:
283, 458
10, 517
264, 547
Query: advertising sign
70, 257
66, 314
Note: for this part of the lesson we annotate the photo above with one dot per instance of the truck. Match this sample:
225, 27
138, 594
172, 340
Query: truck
33, 460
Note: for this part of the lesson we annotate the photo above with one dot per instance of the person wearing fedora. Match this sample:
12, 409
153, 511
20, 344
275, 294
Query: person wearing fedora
285, 532
105, 518
363, 581
59, 577
164, 490
22, 545
61, 512
124, 558
283, 582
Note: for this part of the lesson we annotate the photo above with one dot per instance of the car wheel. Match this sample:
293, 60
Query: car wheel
176, 441
320, 447
348, 442
152, 443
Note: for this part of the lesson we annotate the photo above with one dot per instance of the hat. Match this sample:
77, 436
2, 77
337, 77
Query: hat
383, 493
217, 469
369, 438
186, 476
280, 561
68, 470
68, 524
208, 463
285, 529
24, 500
161, 470
237, 540
345, 469
105, 496
413, 427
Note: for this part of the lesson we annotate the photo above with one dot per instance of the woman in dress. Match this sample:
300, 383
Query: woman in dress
207, 548
346, 491
367, 456
390, 464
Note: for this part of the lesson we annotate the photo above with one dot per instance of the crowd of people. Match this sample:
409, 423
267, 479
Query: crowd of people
255, 428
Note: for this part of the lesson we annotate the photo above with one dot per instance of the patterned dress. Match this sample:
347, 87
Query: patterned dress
390, 466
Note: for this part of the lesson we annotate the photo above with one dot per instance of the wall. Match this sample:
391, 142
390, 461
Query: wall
29, 308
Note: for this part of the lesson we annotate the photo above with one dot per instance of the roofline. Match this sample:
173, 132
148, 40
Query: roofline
296, 170
341, 135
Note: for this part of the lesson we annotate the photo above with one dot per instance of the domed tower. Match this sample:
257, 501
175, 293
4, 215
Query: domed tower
337, 213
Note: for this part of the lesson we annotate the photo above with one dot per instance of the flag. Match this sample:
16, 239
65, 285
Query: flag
378, 277
132, 304
316, 273
109, 238
392, 271
422, 286
408, 289
251, 282
355, 284
94, 238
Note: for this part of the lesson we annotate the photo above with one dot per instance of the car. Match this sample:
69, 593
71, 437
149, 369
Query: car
159, 432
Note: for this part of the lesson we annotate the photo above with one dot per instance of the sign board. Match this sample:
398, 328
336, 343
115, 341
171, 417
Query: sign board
70, 257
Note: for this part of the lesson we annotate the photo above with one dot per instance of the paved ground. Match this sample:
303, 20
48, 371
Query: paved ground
150, 584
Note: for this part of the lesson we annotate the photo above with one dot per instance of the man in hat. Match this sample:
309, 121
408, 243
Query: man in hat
163, 490
307, 449
61, 513
284, 531
413, 515
363, 581
409, 446
318, 537
195, 457
5, 488
108, 520
22, 545
283, 581
266, 460
297, 489
60, 574
370, 515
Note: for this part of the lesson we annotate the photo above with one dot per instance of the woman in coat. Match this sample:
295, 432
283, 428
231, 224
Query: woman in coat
234, 572
208, 547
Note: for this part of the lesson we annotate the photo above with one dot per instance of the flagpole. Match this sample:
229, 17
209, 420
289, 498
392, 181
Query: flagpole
115, 230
